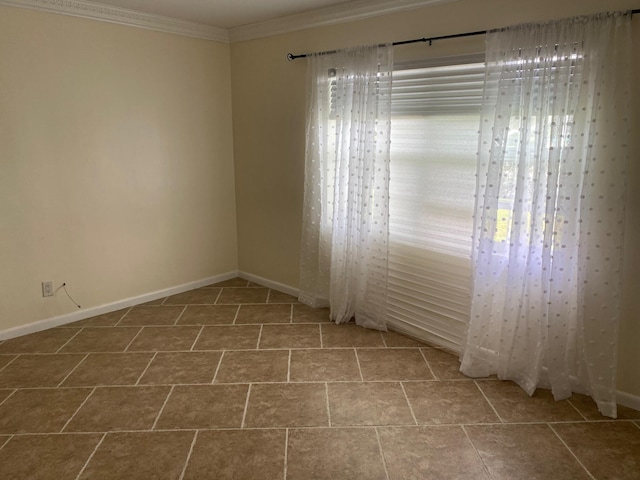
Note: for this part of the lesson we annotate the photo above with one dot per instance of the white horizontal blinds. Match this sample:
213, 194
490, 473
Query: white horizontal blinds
434, 140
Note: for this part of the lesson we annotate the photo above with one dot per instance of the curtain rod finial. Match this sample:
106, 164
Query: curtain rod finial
290, 57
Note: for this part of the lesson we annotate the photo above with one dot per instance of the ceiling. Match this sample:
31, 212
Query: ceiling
225, 13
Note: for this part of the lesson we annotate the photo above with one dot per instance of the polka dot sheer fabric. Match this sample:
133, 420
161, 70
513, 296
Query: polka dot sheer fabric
346, 191
548, 228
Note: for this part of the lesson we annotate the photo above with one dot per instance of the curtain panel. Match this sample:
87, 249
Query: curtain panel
548, 228
346, 191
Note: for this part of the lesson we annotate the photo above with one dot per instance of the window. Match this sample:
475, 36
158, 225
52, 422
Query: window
434, 141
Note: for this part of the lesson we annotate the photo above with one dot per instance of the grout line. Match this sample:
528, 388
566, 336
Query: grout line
489, 402
326, 394
235, 317
355, 351
286, 452
384, 342
166, 400
484, 465
577, 410
6, 441
77, 410
571, 451
11, 361
260, 338
435, 377
8, 396
65, 343
215, 302
320, 327
164, 300
289, 368
291, 321
122, 317
104, 435
384, 461
246, 407
186, 462
153, 357
180, 316
197, 338
73, 370
268, 295
217, 368
133, 339
406, 397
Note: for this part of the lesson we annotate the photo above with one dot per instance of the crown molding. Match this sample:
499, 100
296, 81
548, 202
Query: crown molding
122, 16
346, 12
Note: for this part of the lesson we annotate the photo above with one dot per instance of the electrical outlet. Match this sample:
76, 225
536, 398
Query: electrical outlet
47, 289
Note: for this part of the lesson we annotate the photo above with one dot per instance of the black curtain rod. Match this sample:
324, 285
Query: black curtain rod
291, 56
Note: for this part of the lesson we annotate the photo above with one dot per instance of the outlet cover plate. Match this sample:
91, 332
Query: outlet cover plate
47, 289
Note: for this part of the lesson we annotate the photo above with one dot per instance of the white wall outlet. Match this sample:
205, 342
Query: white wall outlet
47, 289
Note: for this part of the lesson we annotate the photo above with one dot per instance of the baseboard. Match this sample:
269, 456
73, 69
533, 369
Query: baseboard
110, 307
628, 400
270, 283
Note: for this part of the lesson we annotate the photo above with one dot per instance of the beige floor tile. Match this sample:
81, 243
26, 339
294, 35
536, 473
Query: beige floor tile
40, 410
290, 336
324, 365
46, 457
287, 405
256, 366
104, 320
375, 403
182, 367
393, 339
515, 452
101, 339
47, 341
279, 297
445, 365
233, 282
393, 364
449, 402
208, 315
6, 359
237, 454
109, 369
140, 455
119, 408
234, 337
441, 453
204, 406
199, 296
606, 449
279, 313
334, 453
305, 314
514, 405
143, 315
46, 370
243, 295
165, 339
349, 335
589, 409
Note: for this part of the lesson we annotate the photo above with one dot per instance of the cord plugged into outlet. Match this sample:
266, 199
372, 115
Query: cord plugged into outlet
64, 286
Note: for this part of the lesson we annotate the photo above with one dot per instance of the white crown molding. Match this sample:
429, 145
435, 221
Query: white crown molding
121, 16
346, 12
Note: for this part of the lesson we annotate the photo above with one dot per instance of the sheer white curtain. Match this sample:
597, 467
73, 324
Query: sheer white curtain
346, 195
550, 207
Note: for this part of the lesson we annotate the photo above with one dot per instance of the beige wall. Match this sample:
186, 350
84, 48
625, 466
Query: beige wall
269, 131
116, 162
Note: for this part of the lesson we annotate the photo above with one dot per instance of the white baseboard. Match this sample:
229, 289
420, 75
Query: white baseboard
270, 283
628, 400
110, 307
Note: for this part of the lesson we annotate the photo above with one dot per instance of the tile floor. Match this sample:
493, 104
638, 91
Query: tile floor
237, 381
